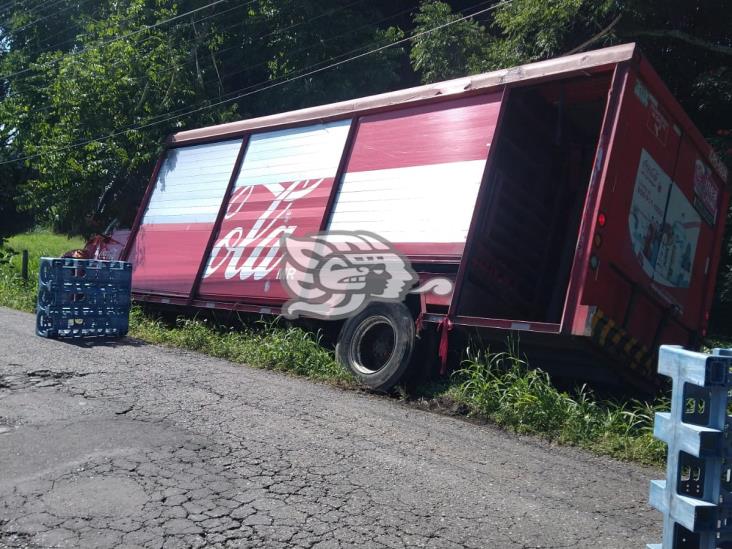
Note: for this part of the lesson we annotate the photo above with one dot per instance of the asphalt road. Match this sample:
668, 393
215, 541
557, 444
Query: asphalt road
132, 444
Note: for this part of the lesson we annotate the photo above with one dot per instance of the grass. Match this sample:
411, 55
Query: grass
501, 388
264, 345
14, 291
717, 341
496, 386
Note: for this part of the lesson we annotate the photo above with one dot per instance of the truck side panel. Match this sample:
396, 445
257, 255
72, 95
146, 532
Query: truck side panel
414, 174
394, 185
180, 215
282, 189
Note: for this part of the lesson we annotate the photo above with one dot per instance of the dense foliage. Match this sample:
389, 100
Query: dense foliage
89, 90
688, 42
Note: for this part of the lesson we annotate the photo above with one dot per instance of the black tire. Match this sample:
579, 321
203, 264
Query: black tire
376, 344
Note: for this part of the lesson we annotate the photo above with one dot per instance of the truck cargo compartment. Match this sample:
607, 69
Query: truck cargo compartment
528, 223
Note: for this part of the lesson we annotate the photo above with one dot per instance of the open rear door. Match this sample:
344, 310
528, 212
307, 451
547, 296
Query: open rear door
653, 233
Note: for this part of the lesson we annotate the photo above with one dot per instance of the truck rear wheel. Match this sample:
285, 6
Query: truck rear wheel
376, 344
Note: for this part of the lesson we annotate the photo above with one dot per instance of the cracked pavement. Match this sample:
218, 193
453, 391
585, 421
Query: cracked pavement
126, 444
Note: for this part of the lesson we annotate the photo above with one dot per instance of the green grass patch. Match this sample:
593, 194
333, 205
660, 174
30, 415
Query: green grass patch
717, 341
497, 387
501, 388
14, 291
264, 345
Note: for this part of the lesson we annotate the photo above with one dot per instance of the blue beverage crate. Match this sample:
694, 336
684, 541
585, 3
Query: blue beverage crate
73, 295
54, 271
82, 322
696, 495
83, 298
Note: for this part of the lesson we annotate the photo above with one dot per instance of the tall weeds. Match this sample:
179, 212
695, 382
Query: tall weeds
500, 387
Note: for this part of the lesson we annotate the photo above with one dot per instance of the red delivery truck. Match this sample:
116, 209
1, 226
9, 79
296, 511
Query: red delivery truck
571, 199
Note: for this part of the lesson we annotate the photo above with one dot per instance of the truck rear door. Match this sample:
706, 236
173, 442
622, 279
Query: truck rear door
658, 223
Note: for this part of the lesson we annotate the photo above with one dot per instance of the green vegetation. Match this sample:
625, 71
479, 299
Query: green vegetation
89, 90
497, 387
266, 345
501, 388
14, 291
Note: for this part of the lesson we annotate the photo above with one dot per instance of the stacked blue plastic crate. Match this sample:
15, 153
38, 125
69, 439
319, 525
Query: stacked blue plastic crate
83, 298
696, 496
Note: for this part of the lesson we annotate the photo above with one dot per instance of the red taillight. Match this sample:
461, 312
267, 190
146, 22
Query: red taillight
601, 219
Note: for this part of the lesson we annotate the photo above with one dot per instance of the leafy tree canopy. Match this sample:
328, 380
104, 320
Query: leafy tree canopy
688, 42
89, 89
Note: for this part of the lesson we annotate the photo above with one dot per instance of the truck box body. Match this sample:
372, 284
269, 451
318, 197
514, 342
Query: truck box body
570, 197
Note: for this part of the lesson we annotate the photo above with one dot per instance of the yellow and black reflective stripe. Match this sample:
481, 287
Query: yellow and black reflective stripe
607, 333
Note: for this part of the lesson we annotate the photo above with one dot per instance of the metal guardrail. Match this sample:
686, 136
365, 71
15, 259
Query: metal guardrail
696, 497
83, 298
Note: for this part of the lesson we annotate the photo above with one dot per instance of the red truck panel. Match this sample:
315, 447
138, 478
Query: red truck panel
171, 239
662, 208
282, 189
287, 178
414, 174
410, 170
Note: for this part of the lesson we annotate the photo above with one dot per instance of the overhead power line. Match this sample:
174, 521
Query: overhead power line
333, 65
265, 87
54, 47
13, 3
247, 68
117, 38
13, 32
168, 71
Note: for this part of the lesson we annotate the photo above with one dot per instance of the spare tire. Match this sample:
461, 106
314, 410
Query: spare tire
376, 344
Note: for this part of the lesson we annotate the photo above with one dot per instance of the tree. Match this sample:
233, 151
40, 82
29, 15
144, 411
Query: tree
688, 42
23, 31
67, 108
306, 35
89, 113
463, 47
504, 34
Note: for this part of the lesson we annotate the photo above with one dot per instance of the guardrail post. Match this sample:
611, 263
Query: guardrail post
696, 496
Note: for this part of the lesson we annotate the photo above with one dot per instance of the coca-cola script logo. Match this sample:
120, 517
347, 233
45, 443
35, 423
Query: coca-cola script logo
336, 274
263, 237
329, 276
